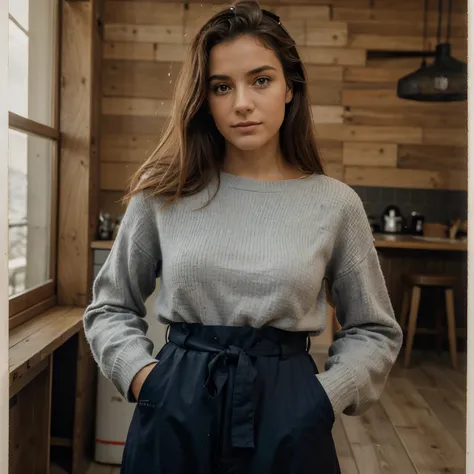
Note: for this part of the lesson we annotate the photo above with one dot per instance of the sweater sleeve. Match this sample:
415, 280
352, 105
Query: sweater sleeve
367, 345
114, 320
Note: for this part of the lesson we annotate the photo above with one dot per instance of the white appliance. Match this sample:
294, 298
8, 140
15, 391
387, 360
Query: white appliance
114, 414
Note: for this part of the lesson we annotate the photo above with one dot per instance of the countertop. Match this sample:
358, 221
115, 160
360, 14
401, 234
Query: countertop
381, 241
419, 243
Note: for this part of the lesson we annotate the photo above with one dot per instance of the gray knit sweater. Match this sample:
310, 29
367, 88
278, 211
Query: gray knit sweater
257, 255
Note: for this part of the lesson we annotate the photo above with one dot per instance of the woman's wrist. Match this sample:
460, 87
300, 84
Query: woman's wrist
139, 379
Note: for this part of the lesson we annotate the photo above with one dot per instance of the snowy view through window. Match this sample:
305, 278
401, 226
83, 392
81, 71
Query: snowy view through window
18, 143
17, 211
31, 93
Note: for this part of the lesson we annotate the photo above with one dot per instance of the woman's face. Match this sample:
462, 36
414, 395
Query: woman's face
247, 92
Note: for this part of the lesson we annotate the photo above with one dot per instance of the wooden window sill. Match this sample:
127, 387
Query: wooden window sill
31, 343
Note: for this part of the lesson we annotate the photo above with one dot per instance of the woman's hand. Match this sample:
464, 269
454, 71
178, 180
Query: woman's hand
139, 379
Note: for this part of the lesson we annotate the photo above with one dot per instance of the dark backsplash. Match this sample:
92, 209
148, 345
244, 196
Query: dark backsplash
436, 205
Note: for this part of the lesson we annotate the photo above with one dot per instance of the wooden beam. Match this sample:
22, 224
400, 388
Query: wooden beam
79, 193
78, 183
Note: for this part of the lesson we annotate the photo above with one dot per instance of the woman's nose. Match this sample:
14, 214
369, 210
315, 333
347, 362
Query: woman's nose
243, 101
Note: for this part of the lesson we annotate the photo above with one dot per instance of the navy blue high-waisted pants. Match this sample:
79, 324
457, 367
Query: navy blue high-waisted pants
237, 400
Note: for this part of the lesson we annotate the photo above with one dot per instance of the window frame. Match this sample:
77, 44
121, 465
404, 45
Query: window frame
34, 301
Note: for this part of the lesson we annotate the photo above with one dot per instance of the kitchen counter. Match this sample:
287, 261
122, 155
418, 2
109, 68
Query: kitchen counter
381, 241
419, 243
102, 244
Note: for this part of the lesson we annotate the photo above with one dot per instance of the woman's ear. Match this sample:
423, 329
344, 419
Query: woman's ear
289, 94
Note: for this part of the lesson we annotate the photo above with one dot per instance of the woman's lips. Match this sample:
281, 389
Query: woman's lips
247, 127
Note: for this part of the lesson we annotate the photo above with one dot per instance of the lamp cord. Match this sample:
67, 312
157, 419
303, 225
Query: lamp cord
440, 15
448, 34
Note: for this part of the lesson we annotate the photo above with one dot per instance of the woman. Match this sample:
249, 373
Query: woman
235, 215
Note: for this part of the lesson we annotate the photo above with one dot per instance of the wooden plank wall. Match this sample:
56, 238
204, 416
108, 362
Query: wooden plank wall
367, 135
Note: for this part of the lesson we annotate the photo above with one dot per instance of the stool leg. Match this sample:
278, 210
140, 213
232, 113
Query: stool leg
451, 326
439, 327
415, 303
405, 308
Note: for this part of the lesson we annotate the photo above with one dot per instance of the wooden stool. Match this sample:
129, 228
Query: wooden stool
411, 303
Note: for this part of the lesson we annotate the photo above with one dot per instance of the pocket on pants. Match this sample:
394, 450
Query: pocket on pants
325, 400
150, 391
312, 447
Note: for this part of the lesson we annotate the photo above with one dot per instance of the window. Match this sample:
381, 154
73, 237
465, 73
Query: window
33, 155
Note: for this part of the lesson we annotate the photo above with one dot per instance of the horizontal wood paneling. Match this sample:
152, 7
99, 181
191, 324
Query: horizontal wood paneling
130, 51
360, 133
366, 134
332, 56
327, 114
322, 93
148, 79
331, 151
395, 14
432, 157
388, 98
445, 136
386, 43
116, 176
335, 170
404, 27
370, 154
375, 75
304, 12
403, 178
333, 75
435, 118
121, 147
326, 33
132, 124
143, 13
144, 33
136, 106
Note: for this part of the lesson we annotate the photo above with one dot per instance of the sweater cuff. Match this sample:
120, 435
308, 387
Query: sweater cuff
130, 360
340, 388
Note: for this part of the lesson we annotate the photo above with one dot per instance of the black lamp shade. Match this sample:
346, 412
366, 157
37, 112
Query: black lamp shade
443, 81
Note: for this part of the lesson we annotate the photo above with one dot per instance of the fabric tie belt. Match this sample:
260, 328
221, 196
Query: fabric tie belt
242, 435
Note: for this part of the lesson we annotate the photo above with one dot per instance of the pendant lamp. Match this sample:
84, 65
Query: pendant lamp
445, 80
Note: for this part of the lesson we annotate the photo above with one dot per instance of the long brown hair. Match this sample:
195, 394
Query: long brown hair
191, 149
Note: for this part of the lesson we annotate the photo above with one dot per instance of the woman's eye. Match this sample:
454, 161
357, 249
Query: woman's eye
221, 88
262, 81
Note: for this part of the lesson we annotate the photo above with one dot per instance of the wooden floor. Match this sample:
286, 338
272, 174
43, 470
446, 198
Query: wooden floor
417, 427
